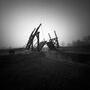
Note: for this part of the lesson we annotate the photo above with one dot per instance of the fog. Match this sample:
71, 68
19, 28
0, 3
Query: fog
18, 18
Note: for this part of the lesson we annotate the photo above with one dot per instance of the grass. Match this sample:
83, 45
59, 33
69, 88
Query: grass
43, 71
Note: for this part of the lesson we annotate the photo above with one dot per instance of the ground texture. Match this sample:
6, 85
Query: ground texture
42, 71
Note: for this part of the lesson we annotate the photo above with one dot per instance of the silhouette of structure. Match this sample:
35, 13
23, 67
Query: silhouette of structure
31, 38
53, 43
56, 40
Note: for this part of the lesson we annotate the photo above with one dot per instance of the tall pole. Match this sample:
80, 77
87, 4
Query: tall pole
32, 46
37, 35
56, 39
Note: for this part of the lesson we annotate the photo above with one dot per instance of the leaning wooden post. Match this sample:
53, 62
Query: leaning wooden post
37, 35
32, 46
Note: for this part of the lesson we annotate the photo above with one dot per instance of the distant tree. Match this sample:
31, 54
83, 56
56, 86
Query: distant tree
69, 44
85, 42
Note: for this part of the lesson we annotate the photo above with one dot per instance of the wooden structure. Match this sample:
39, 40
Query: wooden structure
53, 43
31, 38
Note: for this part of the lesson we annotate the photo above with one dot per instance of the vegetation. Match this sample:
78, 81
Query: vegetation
85, 42
35, 71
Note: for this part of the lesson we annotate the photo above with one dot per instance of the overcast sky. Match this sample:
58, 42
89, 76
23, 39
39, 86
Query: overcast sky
70, 19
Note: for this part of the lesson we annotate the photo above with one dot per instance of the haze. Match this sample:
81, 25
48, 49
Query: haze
69, 18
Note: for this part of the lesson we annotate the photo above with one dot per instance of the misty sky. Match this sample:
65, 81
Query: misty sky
70, 19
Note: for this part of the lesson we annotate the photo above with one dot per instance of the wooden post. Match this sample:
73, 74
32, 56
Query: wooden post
56, 39
32, 46
37, 35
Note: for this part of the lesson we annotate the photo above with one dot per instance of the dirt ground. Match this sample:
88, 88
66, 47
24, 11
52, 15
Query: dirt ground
43, 71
